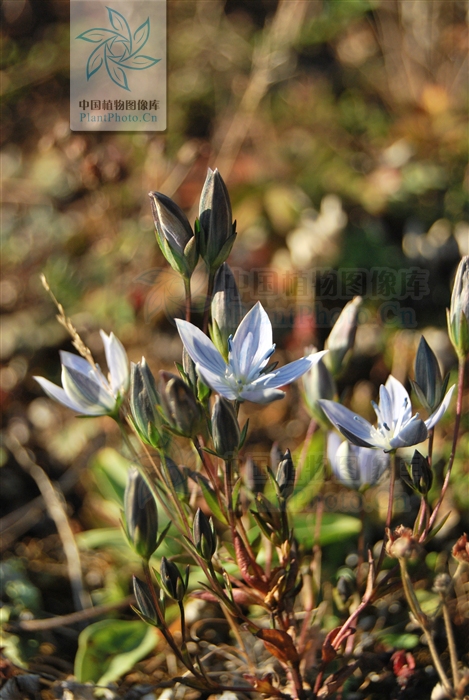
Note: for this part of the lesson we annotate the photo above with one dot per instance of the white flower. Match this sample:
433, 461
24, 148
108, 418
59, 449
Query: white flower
355, 467
243, 377
396, 425
85, 388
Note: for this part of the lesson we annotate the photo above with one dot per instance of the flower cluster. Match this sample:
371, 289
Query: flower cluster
219, 503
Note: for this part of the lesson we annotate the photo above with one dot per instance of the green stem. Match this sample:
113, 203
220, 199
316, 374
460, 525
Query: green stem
183, 626
422, 621
367, 597
387, 526
229, 493
312, 427
431, 434
361, 544
176, 502
187, 291
431, 522
163, 627
421, 520
451, 643
208, 301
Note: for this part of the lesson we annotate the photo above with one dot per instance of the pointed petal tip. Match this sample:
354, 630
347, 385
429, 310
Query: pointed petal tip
443, 407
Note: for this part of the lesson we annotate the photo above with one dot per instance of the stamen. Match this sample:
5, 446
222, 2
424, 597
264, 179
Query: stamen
387, 427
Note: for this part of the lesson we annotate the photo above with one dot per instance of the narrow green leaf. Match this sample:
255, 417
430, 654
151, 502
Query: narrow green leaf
110, 648
244, 432
235, 494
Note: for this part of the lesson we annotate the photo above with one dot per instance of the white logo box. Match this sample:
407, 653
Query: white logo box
118, 69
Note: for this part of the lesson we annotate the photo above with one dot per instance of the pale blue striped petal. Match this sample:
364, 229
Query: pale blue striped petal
414, 432
400, 400
436, 415
86, 392
117, 361
294, 370
385, 409
259, 394
58, 394
76, 362
355, 428
257, 323
201, 349
217, 383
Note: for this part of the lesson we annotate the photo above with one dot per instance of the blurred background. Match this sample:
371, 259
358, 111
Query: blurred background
340, 128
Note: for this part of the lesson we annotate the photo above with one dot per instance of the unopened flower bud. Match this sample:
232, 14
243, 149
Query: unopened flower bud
225, 428
145, 606
204, 536
342, 336
318, 384
400, 542
458, 313
217, 232
171, 580
428, 384
180, 405
143, 405
460, 550
269, 519
227, 311
419, 476
267, 510
286, 475
254, 477
140, 515
174, 234
177, 479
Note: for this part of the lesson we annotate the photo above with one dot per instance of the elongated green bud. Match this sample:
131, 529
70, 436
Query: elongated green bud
227, 311
204, 536
428, 384
177, 479
225, 428
217, 231
418, 476
174, 234
180, 405
318, 384
140, 515
143, 401
269, 519
254, 477
145, 609
458, 313
286, 475
268, 512
171, 580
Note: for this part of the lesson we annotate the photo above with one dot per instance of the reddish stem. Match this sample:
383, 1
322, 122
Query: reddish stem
431, 522
389, 513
